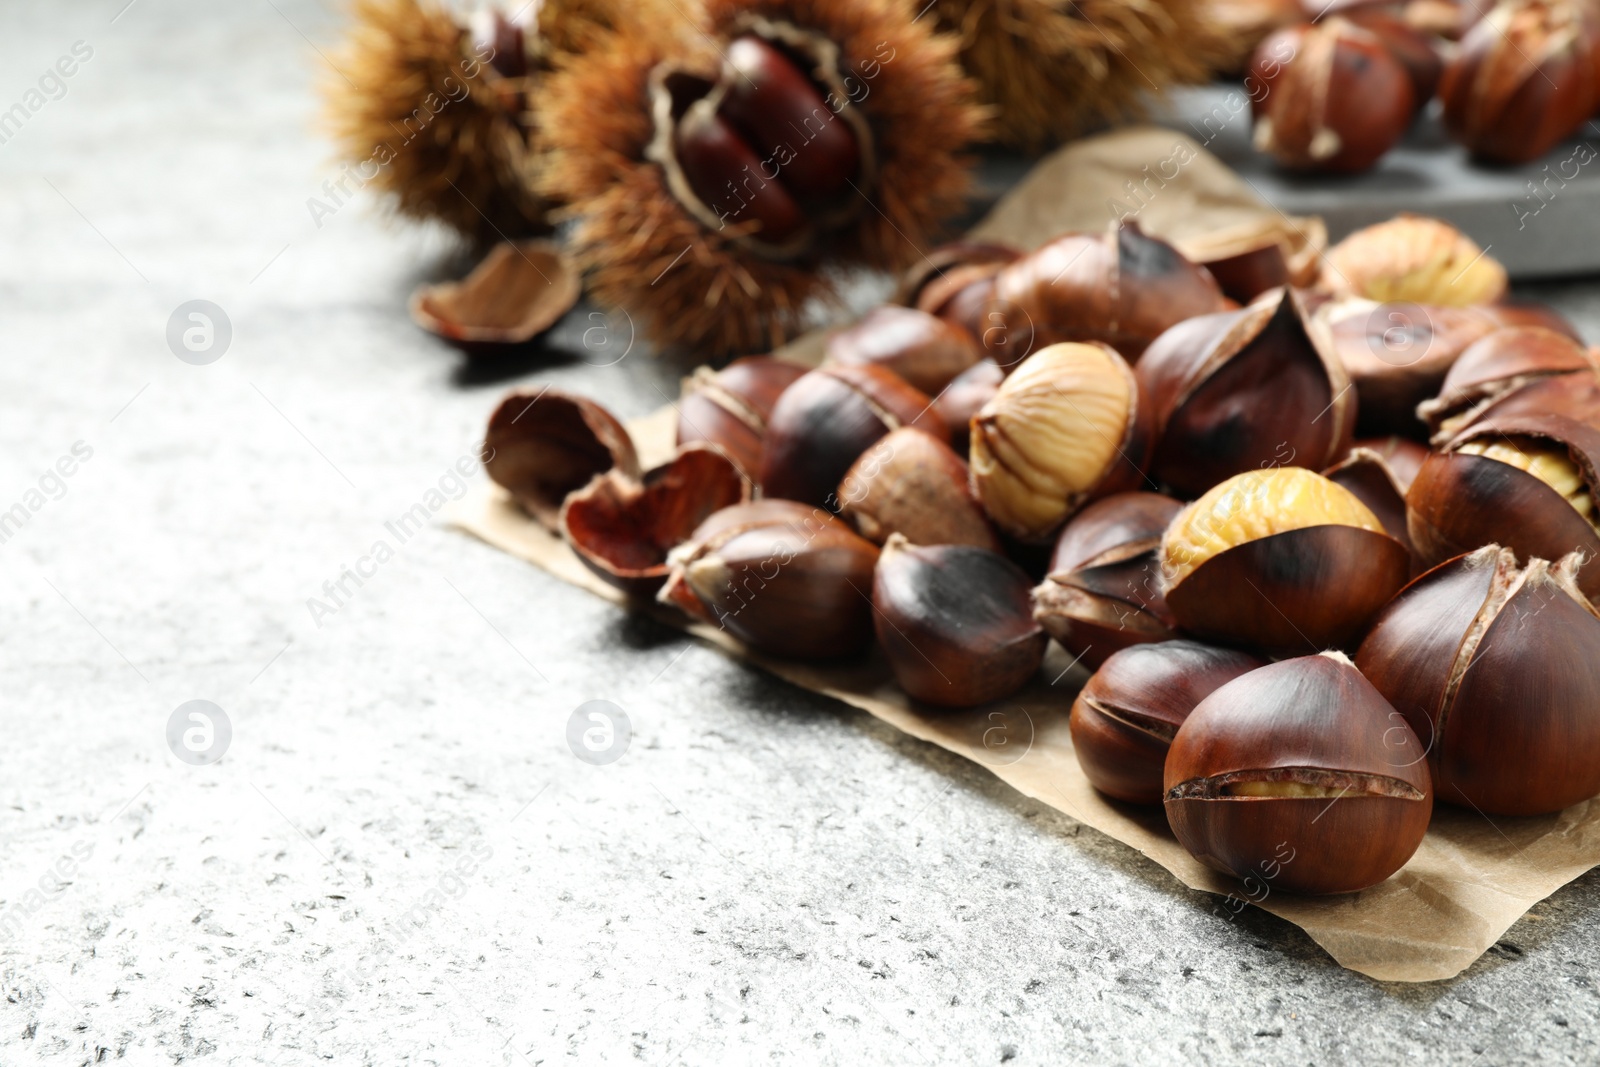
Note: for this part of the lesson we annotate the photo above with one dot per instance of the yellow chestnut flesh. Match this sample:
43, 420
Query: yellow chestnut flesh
1411, 259
1549, 463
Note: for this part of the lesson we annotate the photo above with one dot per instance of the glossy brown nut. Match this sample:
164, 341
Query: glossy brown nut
1413, 48
954, 622
910, 484
1496, 667
923, 349
826, 419
1242, 390
622, 529
718, 166
1121, 288
1373, 480
1301, 775
964, 397
730, 408
1403, 455
783, 577
1461, 501
1339, 103
1103, 592
1494, 367
543, 446
1524, 79
1124, 719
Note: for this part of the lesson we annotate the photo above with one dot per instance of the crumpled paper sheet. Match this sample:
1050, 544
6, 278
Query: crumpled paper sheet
1471, 879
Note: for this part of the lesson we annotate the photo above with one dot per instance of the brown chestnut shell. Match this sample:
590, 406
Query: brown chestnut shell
910, 483
925, 350
544, 446
1374, 482
1495, 366
730, 407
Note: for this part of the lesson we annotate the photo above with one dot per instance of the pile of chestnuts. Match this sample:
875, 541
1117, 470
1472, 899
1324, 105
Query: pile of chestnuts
1327, 570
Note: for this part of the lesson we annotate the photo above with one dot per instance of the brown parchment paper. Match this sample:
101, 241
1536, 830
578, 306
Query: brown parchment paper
1473, 876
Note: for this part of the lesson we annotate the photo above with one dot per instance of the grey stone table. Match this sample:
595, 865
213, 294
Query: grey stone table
399, 859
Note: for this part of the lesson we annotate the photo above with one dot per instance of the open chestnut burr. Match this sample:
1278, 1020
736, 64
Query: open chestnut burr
1103, 591
1241, 390
1124, 718
954, 622
1302, 775
1413, 259
913, 485
1496, 366
1496, 667
781, 576
1527, 482
1282, 560
622, 529
1066, 427
827, 419
543, 446
730, 407
1121, 287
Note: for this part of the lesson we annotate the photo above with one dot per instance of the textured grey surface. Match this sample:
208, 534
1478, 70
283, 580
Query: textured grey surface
764, 874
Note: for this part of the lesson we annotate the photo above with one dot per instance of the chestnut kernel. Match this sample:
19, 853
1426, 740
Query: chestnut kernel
1413, 259
923, 349
730, 408
913, 485
544, 446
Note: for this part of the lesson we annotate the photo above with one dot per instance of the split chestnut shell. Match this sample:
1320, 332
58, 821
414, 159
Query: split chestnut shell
545, 446
730, 407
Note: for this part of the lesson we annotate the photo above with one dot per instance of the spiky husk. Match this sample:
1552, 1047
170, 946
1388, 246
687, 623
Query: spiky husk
1055, 69
689, 287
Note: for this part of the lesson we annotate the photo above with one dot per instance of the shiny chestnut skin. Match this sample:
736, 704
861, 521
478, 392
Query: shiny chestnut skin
1302, 775
717, 164
730, 407
954, 622
622, 529
827, 418
1124, 718
923, 349
911, 484
1373, 480
1494, 367
1496, 667
964, 397
1103, 592
783, 577
1404, 457
1413, 49
545, 445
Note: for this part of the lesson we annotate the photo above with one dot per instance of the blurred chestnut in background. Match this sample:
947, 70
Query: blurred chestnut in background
1282, 560
1241, 390
781, 576
1494, 367
925, 350
1248, 259
829, 417
1124, 719
910, 484
730, 407
954, 282
1103, 592
545, 445
961, 400
1299, 774
1410, 46
1496, 667
955, 623
1413, 259
1065, 427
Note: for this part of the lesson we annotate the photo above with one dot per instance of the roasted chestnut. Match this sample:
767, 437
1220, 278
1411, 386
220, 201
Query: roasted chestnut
622, 529
1496, 667
954, 622
1374, 481
1413, 259
1125, 717
1493, 368
1411, 46
1103, 592
1065, 427
730, 407
1301, 775
1282, 560
781, 576
954, 282
923, 349
826, 419
1240, 390
543, 446
1249, 258
961, 399
913, 485
1403, 455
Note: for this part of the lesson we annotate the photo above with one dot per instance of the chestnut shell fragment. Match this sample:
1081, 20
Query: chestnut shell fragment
544, 446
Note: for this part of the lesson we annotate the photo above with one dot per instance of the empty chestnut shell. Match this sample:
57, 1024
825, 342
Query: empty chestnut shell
545, 445
925, 350
730, 407
962, 398
1124, 719
519, 291
1302, 775
1496, 667
1103, 592
1494, 367
913, 485
783, 577
955, 623
1282, 560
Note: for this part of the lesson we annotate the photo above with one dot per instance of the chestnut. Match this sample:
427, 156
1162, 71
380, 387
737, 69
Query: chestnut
1413, 259
1252, 257
1302, 775
1413, 48
913, 485
939, 284
1282, 560
1121, 287
1526, 482
1403, 456
1066, 427
781, 576
827, 418
730, 407
961, 399
954, 622
1496, 667
622, 529
1124, 718
1372, 480
543, 446
1240, 390
1496, 366
923, 349
717, 163
1103, 591
1338, 103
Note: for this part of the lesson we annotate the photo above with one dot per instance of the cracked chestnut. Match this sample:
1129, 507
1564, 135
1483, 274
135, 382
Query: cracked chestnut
1494, 367
923, 349
730, 407
1413, 259
962, 399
